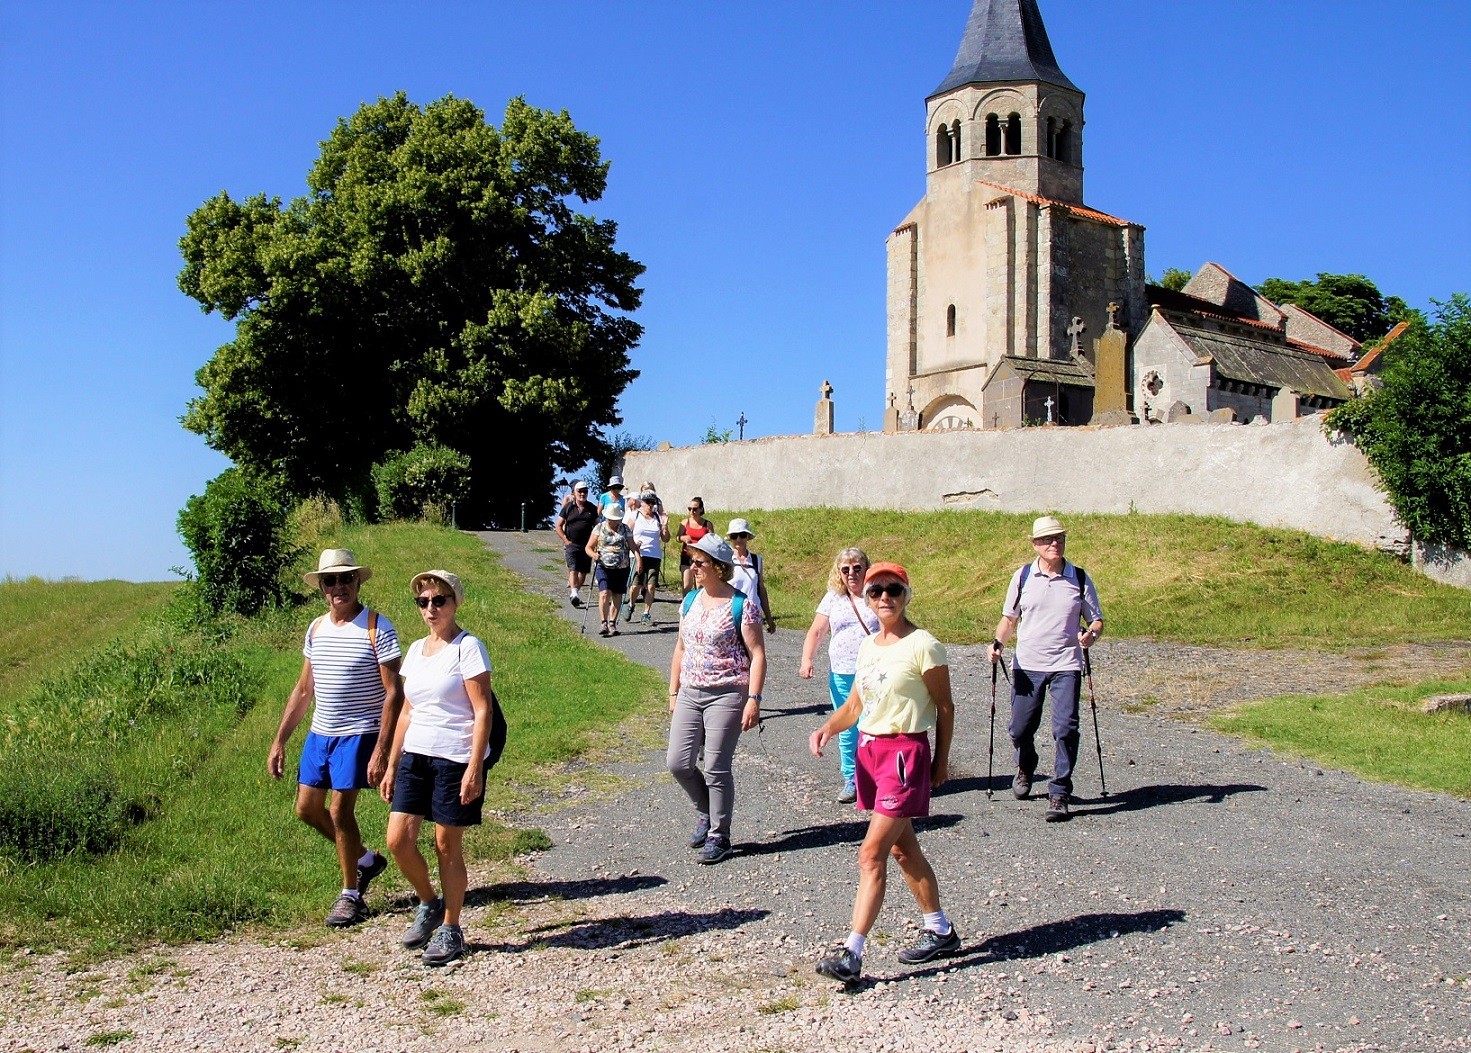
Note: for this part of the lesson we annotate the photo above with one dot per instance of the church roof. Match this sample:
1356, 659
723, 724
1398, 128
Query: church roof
1004, 41
1262, 362
1081, 211
1049, 370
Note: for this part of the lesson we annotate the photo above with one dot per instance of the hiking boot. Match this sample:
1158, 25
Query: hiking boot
931, 945
1021, 785
1057, 810
575, 599
604, 630
647, 619
702, 832
447, 944
842, 965
613, 628
850, 791
629, 616
427, 917
716, 850
348, 910
368, 873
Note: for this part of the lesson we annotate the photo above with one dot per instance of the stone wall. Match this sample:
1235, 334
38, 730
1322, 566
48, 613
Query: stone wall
1288, 474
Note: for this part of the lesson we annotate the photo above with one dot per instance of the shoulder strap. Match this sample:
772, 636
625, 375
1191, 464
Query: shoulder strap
311, 633
689, 599
854, 604
373, 632
1082, 582
1026, 573
737, 607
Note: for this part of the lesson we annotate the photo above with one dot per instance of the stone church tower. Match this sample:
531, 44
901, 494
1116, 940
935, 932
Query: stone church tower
996, 274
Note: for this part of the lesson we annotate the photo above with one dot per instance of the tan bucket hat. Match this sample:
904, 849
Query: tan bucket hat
1047, 526
336, 561
452, 580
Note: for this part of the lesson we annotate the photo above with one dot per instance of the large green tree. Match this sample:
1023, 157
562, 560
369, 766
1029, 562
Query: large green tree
1351, 303
1416, 429
435, 285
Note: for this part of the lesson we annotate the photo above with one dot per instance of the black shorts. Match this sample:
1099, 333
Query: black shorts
577, 558
611, 579
430, 787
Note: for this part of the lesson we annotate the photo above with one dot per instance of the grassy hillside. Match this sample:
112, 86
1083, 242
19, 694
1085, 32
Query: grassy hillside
213, 843
1184, 578
44, 624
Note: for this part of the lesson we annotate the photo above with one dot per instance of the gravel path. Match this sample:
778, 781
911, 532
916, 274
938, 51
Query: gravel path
1219, 898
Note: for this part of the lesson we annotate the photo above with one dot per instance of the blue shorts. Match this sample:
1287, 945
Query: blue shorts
336, 762
611, 579
430, 787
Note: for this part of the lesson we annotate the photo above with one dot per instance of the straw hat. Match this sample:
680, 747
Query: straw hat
1047, 526
336, 561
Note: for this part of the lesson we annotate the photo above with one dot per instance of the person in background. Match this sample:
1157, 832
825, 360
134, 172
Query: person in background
611, 548
613, 496
691, 529
574, 525
437, 763
750, 569
350, 672
650, 531
900, 693
845, 612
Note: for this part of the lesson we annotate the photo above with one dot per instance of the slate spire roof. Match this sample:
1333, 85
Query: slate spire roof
1004, 40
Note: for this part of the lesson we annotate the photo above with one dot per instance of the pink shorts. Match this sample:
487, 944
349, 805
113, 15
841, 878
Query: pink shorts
894, 775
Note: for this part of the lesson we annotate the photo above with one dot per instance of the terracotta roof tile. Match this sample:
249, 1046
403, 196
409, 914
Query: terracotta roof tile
1082, 212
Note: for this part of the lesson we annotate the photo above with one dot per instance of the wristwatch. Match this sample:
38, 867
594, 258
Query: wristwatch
753, 698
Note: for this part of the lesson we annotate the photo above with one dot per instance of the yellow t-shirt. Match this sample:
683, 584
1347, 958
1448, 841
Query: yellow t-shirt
890, 681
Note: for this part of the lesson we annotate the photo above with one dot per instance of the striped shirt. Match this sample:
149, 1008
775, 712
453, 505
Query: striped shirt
345, 677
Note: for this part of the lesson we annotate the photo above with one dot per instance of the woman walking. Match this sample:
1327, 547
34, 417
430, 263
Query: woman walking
437, 766
650, 531
611, 547
750, 570
845, 612
901, 691
691, 529
715, 684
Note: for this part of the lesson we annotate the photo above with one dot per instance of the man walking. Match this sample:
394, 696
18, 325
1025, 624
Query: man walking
1051, 600
351, 671
574, 525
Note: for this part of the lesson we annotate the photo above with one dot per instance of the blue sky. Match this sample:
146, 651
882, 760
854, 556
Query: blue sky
761, 152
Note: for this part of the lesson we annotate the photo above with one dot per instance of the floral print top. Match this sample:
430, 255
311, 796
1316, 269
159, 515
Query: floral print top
714, 655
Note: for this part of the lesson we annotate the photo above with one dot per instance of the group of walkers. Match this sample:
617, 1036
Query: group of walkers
888, 684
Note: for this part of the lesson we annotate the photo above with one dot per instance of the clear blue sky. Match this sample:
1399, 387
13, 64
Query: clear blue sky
761, 153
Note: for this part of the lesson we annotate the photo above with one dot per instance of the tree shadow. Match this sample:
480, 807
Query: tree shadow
587, 888
828, 834
1157, 796
606, 933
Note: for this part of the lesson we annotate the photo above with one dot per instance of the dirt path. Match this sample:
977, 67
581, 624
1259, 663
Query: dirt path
1221, 897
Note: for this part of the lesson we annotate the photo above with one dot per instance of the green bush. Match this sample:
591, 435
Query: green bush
423, 483
237, 532
56, 803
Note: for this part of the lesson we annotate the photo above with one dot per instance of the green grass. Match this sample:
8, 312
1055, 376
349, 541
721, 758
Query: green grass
219, 847
1189, 579
1379, 733
45, 624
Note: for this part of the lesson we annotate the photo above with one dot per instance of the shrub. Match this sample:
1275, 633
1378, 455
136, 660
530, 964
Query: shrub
237, 532
54, 804
423, 483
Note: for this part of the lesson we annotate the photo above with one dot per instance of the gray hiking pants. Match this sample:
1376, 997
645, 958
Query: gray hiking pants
704, 728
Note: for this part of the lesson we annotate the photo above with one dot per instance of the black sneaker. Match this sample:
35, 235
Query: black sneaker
1021, 785
842, 965
931, 945
716, 850
575, 599
1057, 810
366, 874
702, 832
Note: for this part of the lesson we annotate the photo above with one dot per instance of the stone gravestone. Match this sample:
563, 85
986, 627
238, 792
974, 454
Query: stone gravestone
1284, 405
910, 420
1224, 415
1179, 413
1110, 390
822, 419
891, 416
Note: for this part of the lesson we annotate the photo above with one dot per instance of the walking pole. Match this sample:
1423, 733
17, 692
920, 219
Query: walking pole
991, 753
585, 607
1093, 703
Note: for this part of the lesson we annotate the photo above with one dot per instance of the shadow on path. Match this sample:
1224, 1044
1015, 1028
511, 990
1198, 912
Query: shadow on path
606, 933
1141, 797
798, 711
846, 833
530, 891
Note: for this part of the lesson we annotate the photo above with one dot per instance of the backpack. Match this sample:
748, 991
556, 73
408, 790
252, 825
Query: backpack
737, 608
1027, 570
311, 633
498, 730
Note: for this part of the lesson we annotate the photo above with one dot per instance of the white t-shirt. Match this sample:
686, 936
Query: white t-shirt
746, 576
346, 681
847, 632
443, 720
646, 531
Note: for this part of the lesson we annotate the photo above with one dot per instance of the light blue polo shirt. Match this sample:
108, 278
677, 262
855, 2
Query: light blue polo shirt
1052, 614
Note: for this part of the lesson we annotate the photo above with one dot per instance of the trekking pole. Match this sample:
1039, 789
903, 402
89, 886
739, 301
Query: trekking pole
585, 607
991, 752
1093, 703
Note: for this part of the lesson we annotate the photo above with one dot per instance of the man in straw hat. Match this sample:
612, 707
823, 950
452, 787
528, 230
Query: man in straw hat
1052, 600
351, 671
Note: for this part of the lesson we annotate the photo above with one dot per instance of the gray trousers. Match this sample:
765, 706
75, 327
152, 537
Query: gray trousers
704, 728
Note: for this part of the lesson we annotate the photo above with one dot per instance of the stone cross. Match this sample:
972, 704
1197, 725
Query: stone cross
892, 399
822, 418
1113, 316
911, 398
826, 389
741, 424
1048, 404
1076, 331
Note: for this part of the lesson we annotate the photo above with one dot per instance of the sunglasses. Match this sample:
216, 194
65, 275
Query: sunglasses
1055, 539
425, 601
857, 568
893, 588
737, 537
330, 580
695, 508
701, 563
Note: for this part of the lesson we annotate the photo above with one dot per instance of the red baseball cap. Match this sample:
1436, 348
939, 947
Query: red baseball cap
886, 568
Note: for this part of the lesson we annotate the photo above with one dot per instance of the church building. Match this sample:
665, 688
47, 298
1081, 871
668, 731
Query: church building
999, 271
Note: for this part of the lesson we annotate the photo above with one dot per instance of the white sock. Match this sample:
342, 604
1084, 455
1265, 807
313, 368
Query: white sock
367, 859
855, 942
351, 892
937, 923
